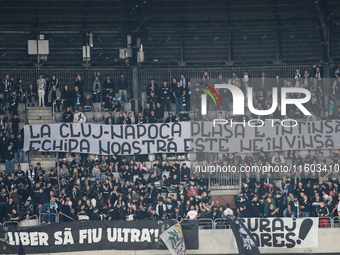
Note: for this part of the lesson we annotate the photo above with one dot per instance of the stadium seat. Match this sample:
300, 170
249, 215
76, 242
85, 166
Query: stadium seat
21, 107
127, 107
212, 114
167, 174
326, 153
24, 166
148, 165
166, 115
58, 116
146, 176
152, 157
116, 175
98, 117
97, 106
30, 222
22, 117
89, 116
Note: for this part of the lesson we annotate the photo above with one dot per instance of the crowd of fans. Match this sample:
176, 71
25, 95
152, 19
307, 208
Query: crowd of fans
112, 188
293, 194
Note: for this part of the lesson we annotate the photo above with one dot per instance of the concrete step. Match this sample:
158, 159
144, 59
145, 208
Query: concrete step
40, 114
44, 164
40, 117
35, 122
40, 154
39, 108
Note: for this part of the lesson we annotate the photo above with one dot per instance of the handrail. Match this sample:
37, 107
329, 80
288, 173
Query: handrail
63, 214
11, 222
53, 110
56, 217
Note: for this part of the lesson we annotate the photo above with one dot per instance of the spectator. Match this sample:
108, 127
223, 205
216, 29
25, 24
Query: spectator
31, 95
152, 88
14, 101
178, 94
41, 84
116, 103
66, 97
54, 97
77, 99
122, 86
79, 83
68, 116
108, 87
7, 84
79, 117
88, 104
192, 214
165, 95
20, 148
15, 124
96, 90
332, 108
9, 159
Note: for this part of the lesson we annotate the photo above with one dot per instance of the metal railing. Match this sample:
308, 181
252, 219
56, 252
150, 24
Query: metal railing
11, 222
56, 217
64, 215
160, 74
225, 180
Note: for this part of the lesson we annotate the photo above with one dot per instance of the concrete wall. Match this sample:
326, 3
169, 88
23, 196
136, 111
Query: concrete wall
222, 242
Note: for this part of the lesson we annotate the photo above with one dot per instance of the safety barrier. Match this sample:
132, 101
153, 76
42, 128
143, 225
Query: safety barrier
11, 222
45, 215
66, 216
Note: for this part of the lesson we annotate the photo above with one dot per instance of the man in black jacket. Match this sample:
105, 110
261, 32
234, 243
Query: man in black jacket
255, 207
68, 116
108, 87
165, 96
122, 86
9, 158
43, 198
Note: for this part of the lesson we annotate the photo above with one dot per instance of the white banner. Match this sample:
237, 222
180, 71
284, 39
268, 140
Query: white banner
174, 240
284, 232
108, 139
272, 136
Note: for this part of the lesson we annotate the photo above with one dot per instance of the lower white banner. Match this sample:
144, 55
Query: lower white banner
284, 232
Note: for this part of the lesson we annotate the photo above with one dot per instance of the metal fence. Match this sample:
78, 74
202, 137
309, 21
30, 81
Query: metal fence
160, 74
67, 76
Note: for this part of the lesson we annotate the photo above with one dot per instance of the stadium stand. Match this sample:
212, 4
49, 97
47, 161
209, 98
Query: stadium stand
55, 187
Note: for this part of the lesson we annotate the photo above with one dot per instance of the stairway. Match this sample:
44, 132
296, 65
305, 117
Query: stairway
41, 115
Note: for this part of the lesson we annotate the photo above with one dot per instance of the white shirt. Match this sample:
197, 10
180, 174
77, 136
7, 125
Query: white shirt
227, 212
79, 118
192, 214
41, 83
